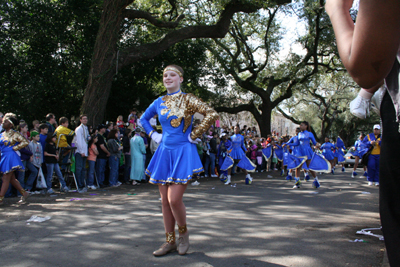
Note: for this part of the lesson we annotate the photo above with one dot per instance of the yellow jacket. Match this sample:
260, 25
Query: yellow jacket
62, 132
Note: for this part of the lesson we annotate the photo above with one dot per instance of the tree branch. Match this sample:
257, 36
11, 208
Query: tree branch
138, 14
219, 30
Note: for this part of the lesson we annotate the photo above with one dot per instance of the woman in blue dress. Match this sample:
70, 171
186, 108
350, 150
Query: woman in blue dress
238, 155
327, 151
304, 149
10, 142
176, 159
360, 149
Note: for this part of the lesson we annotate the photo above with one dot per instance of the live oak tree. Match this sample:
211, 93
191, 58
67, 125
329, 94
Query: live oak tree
262, 81
324, 103
175, 21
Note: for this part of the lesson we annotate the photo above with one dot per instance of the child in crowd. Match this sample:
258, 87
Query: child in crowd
25, 154
120, 122
51, 159
93, 152
35, 125
43, 130
36, 161
259, 157
114, 148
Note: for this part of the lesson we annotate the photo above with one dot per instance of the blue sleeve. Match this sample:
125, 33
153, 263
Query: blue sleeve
312, 138
323, 145
148, 114
295, 141
366, 141
228, 145
243, 146
291, 140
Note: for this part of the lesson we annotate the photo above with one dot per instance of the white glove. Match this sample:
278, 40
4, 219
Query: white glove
193, 141
18, 153
156, 137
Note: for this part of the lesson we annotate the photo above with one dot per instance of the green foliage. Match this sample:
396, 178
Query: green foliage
45, 53
139, 85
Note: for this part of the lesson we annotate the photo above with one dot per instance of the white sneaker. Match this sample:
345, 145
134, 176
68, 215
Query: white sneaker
370, 183
377, 184
119, 183
360, 107
195, 183
93, 187
206, 176
214, 175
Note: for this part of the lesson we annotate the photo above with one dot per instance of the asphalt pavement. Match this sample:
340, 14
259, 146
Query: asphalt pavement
266, 223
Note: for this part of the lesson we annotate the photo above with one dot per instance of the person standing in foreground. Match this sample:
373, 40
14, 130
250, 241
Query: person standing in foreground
81, 140
369, 50
176, 159
10, 142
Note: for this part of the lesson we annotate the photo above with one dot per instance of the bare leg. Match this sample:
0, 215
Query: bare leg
168, 217
6, 183
356, 163
175, 199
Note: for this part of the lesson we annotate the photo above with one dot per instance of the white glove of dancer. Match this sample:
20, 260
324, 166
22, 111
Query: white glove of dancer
193, 141
18, 153
156, 137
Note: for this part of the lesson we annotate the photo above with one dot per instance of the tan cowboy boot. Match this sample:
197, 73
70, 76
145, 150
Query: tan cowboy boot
183, 240
168, 246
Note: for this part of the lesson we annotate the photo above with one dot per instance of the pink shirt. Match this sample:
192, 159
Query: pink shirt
92, 156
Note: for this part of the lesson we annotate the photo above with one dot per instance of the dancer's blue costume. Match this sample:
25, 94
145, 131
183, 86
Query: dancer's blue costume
373, 159
360, 149
238, 146
237, 153
327, 150
10, 142
303, 142
317, 163
176, 159
223, 149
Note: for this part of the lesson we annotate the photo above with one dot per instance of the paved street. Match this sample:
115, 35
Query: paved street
264, 224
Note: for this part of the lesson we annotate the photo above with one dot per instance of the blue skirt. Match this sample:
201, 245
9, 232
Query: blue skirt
328, 155
305, 151
228, 163
246, 164
237, 153
10, 161
267, 152
359, 153
174, 166
293, 162
319, 164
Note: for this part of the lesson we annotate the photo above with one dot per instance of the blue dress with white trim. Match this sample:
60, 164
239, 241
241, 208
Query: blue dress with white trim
327, 150
176, 159
238, 147
10, 160
303, 142
360, 149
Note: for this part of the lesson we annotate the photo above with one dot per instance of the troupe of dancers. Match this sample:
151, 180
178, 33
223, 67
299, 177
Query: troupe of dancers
176, 160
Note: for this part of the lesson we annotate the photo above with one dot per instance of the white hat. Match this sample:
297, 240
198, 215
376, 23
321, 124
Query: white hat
223, 134
377, 126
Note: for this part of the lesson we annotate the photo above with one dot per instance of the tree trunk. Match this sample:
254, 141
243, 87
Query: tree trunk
264, 122
104, 60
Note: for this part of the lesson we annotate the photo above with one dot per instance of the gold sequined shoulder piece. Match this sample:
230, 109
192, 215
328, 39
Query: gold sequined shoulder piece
176, 105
